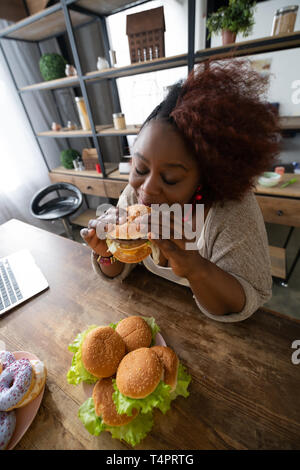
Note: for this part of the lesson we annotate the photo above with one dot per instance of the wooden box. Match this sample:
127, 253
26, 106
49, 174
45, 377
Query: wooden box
145, 31
90, 158
12, 10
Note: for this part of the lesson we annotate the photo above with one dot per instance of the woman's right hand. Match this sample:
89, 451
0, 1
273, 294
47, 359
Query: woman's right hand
98, 228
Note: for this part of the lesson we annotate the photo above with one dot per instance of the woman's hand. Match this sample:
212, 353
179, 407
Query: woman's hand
184, 262
95, 234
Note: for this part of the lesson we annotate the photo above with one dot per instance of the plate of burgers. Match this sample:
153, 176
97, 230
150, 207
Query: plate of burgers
127, 371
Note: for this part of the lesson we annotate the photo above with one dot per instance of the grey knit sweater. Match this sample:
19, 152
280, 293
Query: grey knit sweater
234, 238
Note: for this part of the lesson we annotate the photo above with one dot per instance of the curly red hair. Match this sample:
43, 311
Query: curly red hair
221, 113
232, 131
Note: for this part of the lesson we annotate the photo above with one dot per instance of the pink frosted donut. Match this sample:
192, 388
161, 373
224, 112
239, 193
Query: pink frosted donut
7, 427
15, 382
6, 358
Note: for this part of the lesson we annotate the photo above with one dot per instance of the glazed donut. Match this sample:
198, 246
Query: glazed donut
6, 358
7, 427
40, 374
16, 381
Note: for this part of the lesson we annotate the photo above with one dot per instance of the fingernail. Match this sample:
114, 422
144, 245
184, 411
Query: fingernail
83, 232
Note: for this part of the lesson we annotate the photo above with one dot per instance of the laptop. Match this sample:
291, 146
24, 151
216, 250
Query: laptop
20, 279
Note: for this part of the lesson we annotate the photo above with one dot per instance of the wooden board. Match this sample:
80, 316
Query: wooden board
49, 25
105, 130
140, 67
283, 211
244, 392
252, 46
84, 218
278, 261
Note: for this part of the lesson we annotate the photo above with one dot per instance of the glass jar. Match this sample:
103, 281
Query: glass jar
284, 20
83, 116
119, 121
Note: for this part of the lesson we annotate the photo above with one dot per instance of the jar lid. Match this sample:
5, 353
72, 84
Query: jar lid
116, 115
290, 8
78, 98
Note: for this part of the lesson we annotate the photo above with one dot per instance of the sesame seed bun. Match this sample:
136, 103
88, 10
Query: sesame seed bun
170, 364
131, 244
105, 406
102, 351
136, 333
139, 373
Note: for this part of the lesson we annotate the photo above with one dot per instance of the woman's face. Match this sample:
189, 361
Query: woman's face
163, 170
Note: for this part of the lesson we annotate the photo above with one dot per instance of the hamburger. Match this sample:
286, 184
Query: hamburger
132, 331
141, 379
135, 332
97, 353
128, 241
101, 351
99, 413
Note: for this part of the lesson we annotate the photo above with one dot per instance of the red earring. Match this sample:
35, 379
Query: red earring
198, 196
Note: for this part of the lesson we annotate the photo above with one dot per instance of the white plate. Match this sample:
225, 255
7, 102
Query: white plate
26, 414
88, 388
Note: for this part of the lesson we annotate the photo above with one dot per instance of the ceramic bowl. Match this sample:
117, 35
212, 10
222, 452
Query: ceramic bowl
269, 179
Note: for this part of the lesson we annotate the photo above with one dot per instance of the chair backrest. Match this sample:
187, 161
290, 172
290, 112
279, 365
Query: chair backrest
35, 207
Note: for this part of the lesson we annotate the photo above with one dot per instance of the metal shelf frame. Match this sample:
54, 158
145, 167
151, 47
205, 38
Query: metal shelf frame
65, 6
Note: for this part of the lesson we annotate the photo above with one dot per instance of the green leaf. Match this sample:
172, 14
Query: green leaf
160, 398
183, 381
91, 421
77, 373
132, 433
154, 328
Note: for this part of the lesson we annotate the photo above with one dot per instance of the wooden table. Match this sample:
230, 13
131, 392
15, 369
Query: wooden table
281, 206
245, 389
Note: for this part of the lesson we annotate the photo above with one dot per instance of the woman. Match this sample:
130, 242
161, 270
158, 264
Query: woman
207, 142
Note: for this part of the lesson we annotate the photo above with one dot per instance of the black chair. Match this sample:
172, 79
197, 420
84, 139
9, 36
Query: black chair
60, 207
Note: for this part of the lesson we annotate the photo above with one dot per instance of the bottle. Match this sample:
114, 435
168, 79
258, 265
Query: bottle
83, 116
119, 121
102, 63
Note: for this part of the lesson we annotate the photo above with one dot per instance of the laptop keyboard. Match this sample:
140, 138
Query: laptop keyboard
9, 289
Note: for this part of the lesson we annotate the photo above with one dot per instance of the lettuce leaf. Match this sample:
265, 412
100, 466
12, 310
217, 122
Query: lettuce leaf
132, 433
183, 381
77, 373
160, 398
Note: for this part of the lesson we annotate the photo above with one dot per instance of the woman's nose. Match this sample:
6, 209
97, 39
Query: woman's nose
151, 185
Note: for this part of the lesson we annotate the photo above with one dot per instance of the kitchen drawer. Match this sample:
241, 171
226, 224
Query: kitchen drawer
114, 188
278, 210
93, 186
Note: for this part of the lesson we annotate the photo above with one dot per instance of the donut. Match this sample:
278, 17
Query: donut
7, 427
16, 382
40, 374
6, 358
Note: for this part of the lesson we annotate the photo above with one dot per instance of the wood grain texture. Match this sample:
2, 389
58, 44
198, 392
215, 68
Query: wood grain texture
279, 210
244, 392
292, 190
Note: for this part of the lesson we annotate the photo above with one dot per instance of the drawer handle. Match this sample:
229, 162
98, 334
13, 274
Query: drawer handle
89, 187
279, 213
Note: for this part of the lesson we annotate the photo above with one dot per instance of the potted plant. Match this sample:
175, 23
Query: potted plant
238, 17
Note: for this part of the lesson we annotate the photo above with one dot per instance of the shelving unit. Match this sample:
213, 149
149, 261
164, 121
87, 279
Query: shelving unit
68, 15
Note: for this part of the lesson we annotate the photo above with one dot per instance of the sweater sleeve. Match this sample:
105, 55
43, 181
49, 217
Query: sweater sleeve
127, 198
238, 244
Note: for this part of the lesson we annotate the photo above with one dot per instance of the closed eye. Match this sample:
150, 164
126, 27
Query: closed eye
140, 172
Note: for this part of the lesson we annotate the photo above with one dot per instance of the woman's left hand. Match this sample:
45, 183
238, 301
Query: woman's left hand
184, 262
